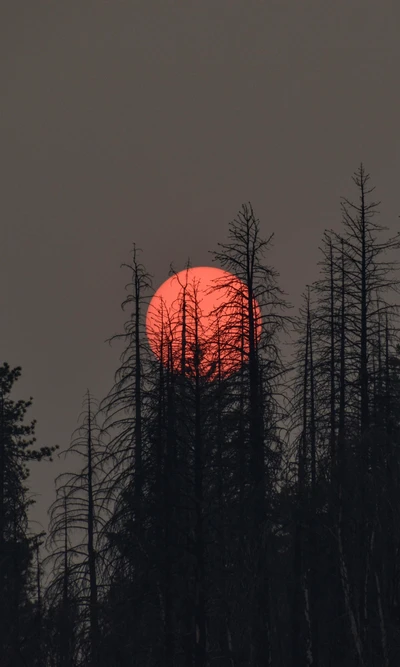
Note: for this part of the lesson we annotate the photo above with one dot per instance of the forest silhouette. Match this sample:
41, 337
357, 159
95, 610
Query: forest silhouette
229, 520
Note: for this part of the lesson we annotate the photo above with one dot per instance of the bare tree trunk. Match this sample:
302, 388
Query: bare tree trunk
93, 602
312, 528
66, 621
169, 501
382, 623
300, 650
309, 651
354, 627
201, 658
138, 486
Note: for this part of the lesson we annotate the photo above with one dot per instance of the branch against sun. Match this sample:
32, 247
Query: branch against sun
190, 307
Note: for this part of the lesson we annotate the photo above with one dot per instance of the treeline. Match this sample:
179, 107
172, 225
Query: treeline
237, 519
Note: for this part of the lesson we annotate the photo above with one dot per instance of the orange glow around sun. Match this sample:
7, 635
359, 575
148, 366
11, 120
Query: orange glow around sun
208, 305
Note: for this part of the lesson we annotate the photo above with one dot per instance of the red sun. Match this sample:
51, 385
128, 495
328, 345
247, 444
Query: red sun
207, 305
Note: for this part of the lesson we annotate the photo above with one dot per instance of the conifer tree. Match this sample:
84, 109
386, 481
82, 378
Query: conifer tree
16, 451
243, 256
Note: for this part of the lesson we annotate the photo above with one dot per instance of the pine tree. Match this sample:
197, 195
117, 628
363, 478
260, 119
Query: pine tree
16, 552
243, 255
77, 510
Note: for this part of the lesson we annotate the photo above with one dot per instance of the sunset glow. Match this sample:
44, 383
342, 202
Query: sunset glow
219, 302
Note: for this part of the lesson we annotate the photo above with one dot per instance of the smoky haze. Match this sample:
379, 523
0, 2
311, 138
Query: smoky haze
152, 122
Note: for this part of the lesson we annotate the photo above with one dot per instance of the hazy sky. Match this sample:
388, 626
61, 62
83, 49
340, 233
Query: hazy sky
152, 122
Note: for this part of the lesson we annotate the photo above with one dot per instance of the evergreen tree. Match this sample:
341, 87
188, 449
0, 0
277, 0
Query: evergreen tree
75, 521
16, 551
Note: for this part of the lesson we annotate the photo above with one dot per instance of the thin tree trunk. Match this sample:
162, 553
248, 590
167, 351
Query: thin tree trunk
354, 628
169, 500
93, 602
201, 659
138, 402
312, 528
382, 623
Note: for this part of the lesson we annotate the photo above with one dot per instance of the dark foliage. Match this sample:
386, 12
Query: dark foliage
249, 518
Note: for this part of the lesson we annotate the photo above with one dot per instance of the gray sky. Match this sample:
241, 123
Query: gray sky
152, 122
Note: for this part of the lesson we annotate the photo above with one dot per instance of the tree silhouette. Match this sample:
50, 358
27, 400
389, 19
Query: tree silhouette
16, 439
243, 255
75, 522
242, 514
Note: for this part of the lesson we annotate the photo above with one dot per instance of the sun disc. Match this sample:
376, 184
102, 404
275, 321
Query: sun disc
206, 305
